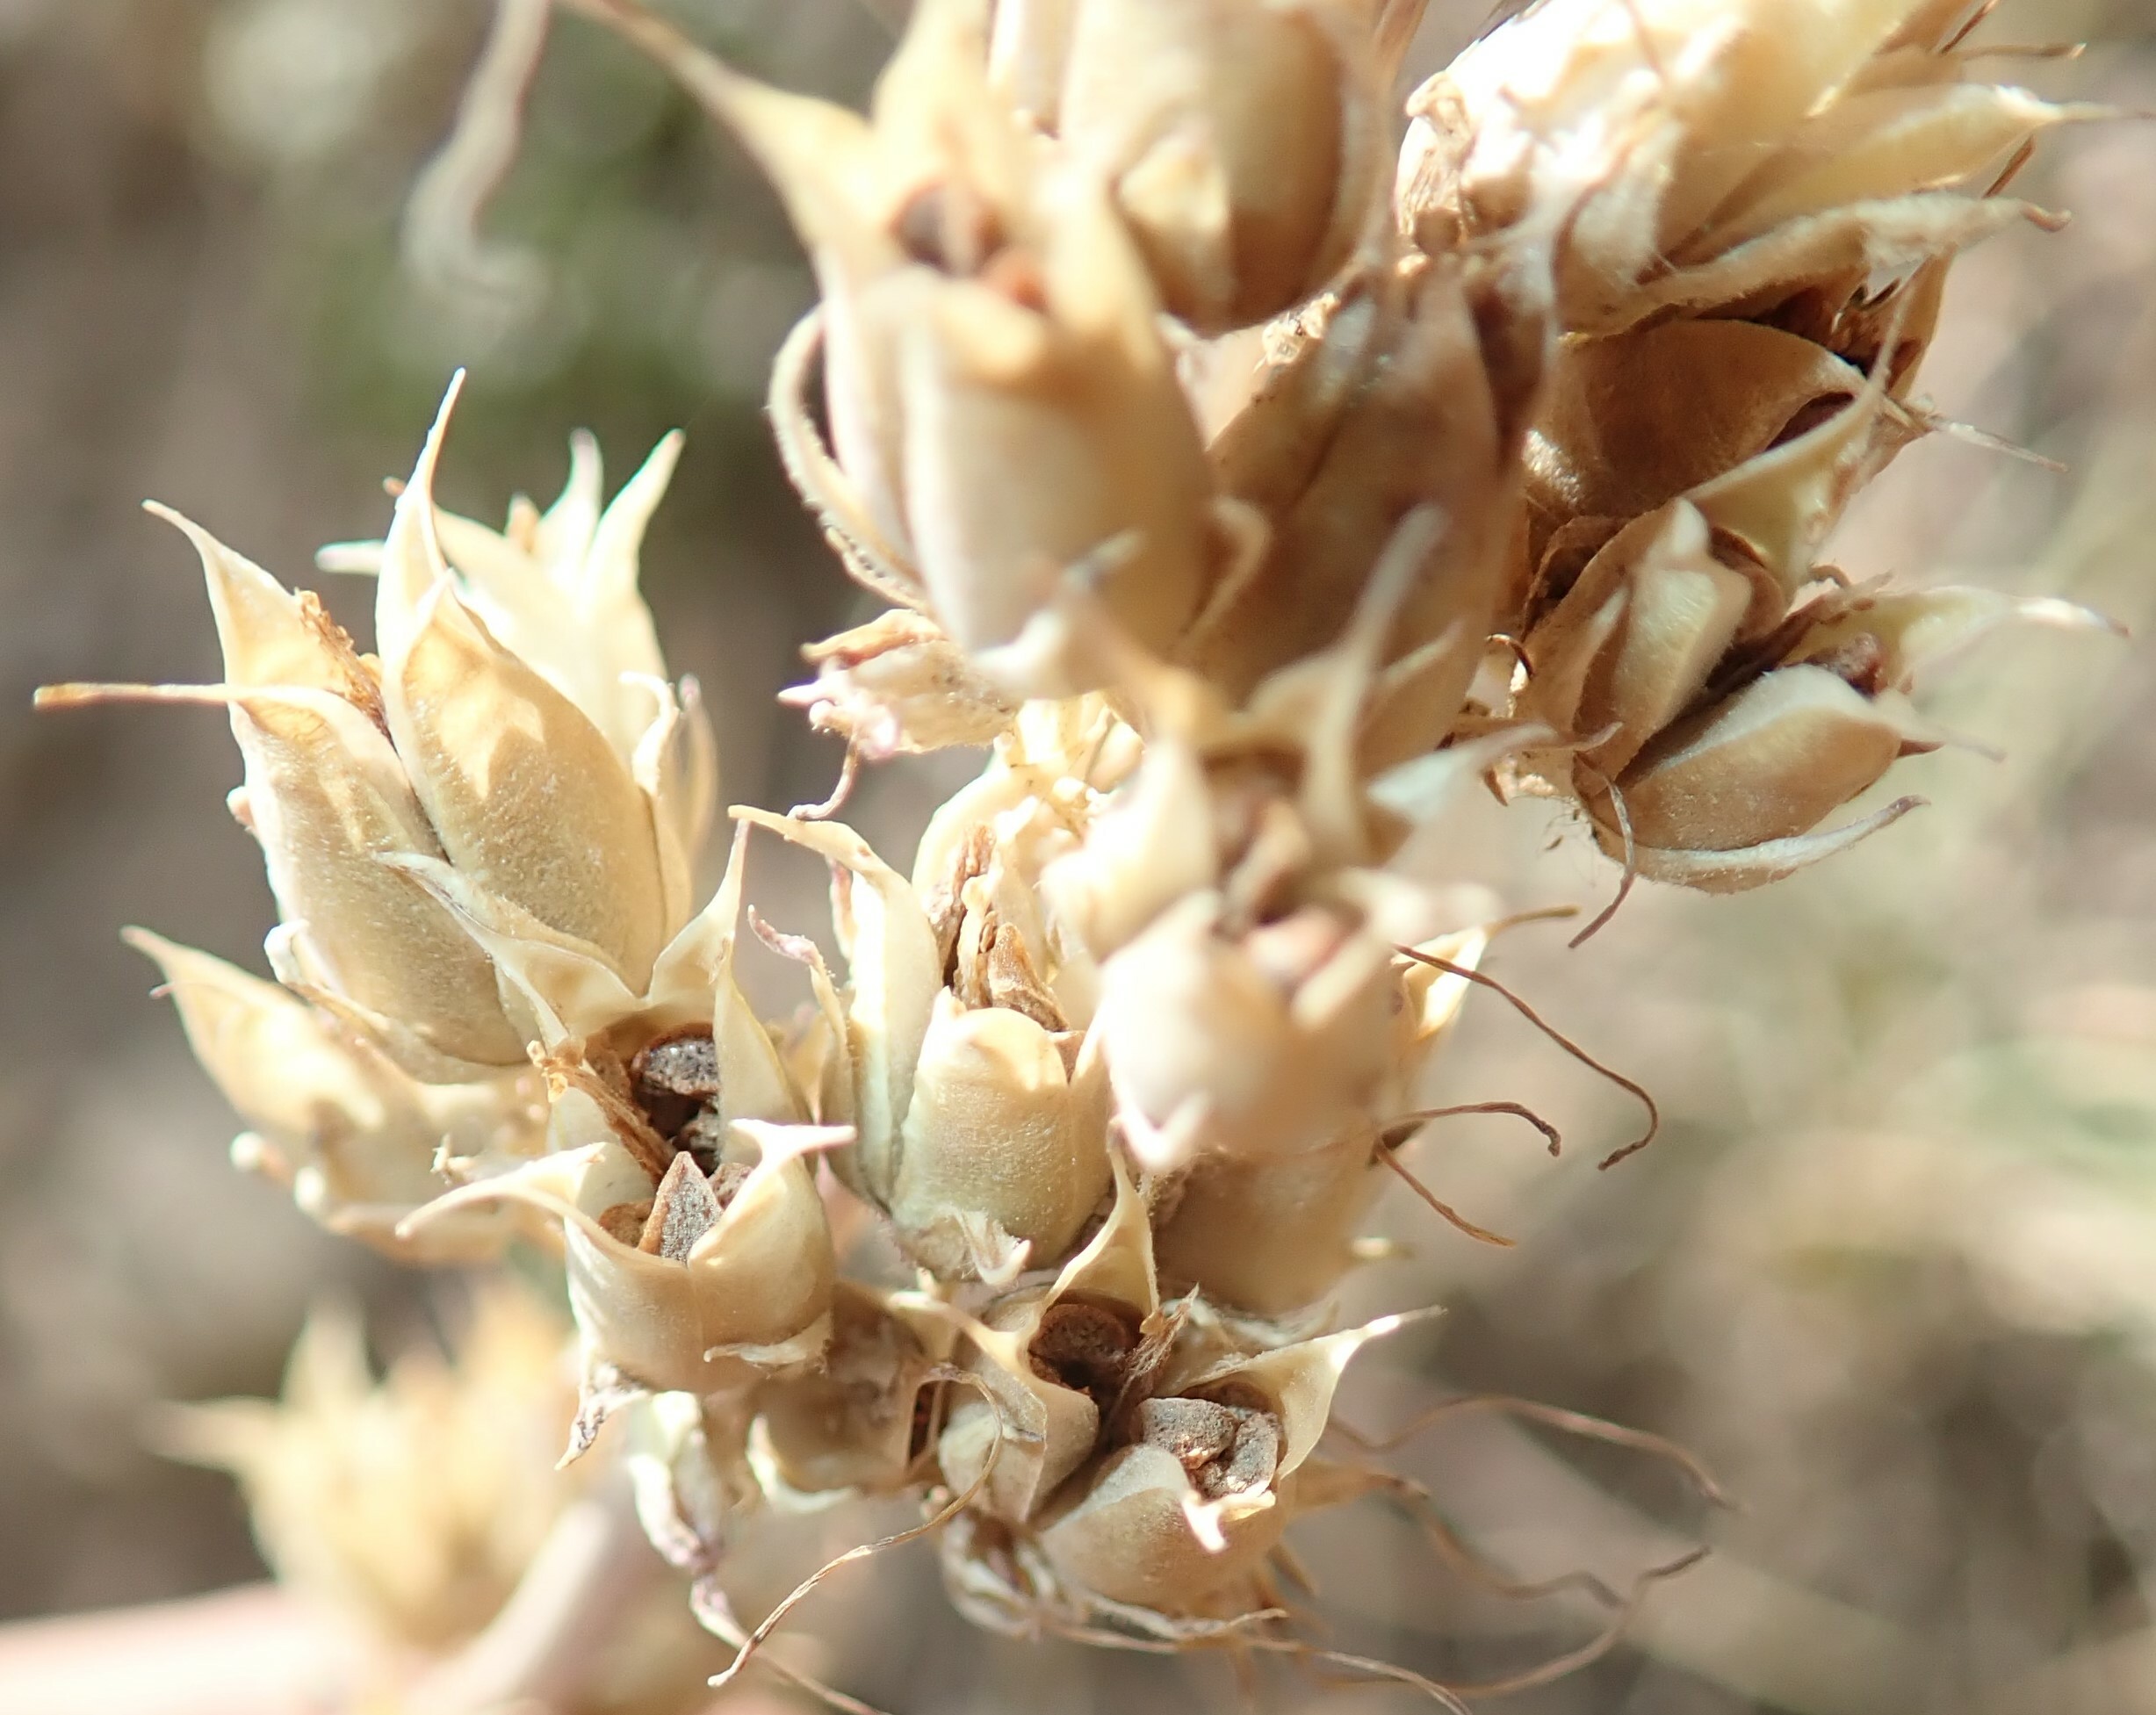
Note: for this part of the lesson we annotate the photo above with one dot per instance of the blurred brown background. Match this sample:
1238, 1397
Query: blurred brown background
1892, 1268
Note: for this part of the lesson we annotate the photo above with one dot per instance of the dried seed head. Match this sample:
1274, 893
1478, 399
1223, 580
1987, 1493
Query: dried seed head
724, 1294
1001, 403
1054, 1362
1308, 1208
735, 1283
325, 797
1728, 798
1634, 420
355, 1137
1692, 154
1384, 406
1631, 644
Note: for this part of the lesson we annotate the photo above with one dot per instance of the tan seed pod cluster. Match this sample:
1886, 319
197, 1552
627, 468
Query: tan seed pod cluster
1745, 214
1245, 502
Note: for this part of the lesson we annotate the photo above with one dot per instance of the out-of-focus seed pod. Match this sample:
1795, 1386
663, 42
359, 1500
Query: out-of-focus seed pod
689, 1474
1002, 405
531, 803
1728, 797
1631, 644
1693, 154
1029, 56
1309, 1206
1716, 410
1880, 640
1387, 408
1246, 142
981, 1128
898, 687
1055, 1362
413, 1503
1190, 1507
354, 1136
857, 1426
1259, 1044
1154, 843
558, 590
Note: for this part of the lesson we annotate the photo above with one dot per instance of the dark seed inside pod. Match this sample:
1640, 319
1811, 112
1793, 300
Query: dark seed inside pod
674, 1079
1229, 1446
1084, 1347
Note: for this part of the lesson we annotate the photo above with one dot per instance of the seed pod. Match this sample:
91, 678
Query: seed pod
1028, 54
1262, 1044
1001, 402
898, 687
327, 798
1695, 156
698, 1287
529, 800
1310, 1205
558, 590
1631, 644
1633, 422
1880, 640
1055, 1361
1176, 1519
1154, 843
694, 1262
981, 1141
1388, 410
1728, 797
689, 1474
356, 1138
858, 1426
1244, 142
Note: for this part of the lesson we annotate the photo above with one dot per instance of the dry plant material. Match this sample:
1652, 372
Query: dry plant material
1247, 501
